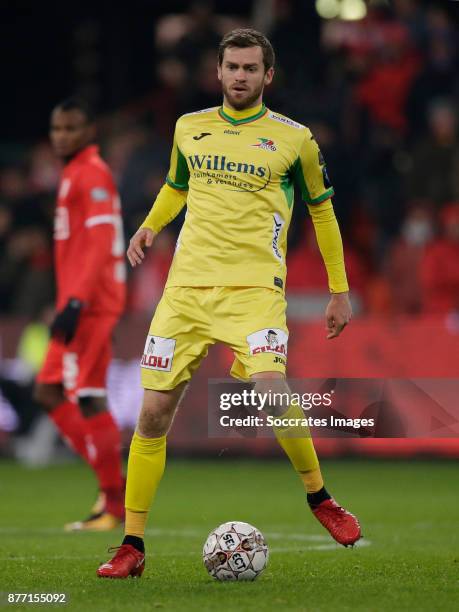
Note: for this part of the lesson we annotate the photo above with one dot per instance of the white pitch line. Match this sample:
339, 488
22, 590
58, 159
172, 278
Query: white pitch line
301, 538
269, 534
297, 536
96, 557
33, 530
330, 546
181, 533
156, 555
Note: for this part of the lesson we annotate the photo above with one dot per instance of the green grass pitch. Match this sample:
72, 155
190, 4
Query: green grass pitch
409, 561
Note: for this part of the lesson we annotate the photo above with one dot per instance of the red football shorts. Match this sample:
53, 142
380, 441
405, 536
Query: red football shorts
81, 366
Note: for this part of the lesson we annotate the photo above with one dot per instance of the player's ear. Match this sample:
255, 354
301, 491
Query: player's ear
219, 72
269, 76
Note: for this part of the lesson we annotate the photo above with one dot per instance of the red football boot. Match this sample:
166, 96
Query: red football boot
342, 525
128, 561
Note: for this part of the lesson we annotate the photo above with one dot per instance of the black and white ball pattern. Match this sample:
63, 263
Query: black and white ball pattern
235, 551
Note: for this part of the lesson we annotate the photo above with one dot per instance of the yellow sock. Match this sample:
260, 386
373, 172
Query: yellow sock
135, 523
298, 445
312, 480
147, 458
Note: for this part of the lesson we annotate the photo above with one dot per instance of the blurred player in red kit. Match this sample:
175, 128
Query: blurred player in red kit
90, 279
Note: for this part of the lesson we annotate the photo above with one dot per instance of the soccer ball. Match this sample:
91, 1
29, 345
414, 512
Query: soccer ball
235, 551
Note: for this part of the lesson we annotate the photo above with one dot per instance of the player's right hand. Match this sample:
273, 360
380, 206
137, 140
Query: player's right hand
142, 238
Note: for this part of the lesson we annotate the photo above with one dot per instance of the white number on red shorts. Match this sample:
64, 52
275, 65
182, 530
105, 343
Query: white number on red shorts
70, 370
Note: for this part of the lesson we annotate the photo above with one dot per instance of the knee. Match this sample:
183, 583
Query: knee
155, 421
273, 387
48, 396
269, 382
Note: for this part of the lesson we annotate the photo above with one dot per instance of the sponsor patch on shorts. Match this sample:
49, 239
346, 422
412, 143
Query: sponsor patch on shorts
158, 353
269, 340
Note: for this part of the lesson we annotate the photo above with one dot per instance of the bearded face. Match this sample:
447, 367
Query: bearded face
243, 77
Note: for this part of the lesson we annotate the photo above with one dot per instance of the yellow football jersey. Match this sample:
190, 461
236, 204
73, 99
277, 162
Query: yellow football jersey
240, 171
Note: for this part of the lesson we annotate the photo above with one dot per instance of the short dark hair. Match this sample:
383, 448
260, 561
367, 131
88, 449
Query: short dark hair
77, 103
246, 37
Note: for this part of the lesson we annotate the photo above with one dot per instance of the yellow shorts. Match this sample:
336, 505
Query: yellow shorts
250, 320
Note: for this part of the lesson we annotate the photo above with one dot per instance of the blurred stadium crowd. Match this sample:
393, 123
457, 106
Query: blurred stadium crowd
381, 95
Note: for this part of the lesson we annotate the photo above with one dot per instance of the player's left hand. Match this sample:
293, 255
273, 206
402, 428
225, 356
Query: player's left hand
65, 323
338, 314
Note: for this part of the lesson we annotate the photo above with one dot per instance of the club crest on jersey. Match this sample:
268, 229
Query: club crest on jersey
265, 144
158, 353
269, 340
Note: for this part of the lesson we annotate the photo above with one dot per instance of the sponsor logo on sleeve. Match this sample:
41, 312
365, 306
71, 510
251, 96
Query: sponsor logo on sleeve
99, 194
286, 121
199, 112
269, 340
325, 176
158, 353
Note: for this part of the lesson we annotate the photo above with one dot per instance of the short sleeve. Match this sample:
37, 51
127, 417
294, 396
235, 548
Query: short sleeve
310, 172
178, 175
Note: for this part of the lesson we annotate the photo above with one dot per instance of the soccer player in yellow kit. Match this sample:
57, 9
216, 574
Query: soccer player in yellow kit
235, 167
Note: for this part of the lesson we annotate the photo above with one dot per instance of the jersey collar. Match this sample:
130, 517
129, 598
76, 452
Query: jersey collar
247, 115
85, 154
